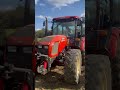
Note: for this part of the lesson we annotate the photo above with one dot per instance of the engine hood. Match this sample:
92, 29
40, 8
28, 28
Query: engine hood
55, 43
49, 39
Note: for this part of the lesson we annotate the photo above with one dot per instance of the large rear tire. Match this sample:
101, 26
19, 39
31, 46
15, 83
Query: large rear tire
72, 67
98, 73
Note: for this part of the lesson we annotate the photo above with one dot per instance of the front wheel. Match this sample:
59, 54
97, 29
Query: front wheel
73, 62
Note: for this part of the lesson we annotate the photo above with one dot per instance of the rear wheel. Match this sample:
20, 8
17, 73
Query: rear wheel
73, 62
98, 73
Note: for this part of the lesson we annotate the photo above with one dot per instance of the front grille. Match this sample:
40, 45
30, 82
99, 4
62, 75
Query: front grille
20, 60
43, 51
20, 57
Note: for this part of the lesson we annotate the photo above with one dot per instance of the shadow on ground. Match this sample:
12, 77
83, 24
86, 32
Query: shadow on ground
54, 80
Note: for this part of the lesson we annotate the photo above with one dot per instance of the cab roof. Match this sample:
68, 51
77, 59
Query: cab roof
66, 17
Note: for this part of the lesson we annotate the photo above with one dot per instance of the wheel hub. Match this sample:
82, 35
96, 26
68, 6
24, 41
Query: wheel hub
41, 69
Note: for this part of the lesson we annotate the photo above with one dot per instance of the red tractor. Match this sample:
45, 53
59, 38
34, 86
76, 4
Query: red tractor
17, 68
102, 45
17, 34
65, 46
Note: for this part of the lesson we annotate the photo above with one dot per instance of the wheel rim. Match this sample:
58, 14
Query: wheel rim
78, 72
39, 68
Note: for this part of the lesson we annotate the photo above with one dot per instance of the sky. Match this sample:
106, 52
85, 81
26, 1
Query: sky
57, 8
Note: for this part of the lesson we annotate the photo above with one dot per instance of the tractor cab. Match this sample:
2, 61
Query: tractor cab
71, 26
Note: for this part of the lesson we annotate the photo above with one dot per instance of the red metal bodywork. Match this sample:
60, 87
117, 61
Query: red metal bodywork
22, 36
82, 44
65, 17
113, 42
19, 38
57, 45
20, 41
61, 39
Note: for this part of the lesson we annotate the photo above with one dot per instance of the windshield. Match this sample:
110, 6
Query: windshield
64, 28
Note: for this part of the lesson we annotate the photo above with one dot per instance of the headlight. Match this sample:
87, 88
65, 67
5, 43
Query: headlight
45, 47
39, 46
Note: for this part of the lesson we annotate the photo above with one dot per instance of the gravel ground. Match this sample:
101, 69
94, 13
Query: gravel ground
54, 80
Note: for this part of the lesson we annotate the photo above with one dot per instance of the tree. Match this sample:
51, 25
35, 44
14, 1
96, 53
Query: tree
40, 33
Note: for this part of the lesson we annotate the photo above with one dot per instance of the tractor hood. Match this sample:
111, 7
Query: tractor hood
46, 40
49, 39
22, 36
55, 44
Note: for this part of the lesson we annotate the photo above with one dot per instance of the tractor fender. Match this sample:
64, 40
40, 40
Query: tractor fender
62, 43
82, 44
112, 48
56, 44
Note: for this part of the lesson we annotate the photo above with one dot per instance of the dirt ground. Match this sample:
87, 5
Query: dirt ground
54, 80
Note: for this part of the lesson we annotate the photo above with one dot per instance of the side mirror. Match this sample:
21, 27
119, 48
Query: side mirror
43, 23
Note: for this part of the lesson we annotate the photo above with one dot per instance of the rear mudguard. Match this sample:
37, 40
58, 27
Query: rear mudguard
82, 48
82, 44
112, 47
